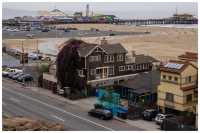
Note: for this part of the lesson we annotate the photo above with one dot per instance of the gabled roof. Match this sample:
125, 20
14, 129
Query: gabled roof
83, 51
113, 48
144, 82
86, 49
108, 48
144, 59
185, 64
190, 56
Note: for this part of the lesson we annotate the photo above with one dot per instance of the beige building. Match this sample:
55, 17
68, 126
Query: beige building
177, 91
53, 13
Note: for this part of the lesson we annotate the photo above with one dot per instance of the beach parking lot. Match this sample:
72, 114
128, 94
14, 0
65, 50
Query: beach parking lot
173, 41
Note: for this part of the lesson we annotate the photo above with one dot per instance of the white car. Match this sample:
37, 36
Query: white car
160, 117
33, 56
30, 35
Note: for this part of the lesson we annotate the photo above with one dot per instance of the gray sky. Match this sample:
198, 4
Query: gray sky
122, 10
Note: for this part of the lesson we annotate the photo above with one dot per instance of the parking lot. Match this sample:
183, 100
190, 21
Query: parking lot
62, 34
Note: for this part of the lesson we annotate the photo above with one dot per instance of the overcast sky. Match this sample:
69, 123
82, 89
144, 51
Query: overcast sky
122, 10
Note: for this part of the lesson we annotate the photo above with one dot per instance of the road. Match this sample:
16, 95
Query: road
62, 34
20, 101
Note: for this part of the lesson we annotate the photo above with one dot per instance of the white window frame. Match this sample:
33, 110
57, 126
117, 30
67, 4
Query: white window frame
120, 57
80, 73
113, 71
95, 58
108, 58
129, 67
122, 68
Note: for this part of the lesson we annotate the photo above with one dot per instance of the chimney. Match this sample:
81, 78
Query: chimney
104, 41
133, 53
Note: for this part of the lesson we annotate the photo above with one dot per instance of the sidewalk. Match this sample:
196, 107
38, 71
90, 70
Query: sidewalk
86, 103
146, 125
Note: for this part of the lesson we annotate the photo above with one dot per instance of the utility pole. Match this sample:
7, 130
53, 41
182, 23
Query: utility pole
23, 55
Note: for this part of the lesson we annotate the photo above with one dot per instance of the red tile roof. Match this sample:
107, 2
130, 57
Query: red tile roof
190, 56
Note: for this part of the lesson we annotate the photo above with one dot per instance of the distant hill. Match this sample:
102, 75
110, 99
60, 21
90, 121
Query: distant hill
10, 13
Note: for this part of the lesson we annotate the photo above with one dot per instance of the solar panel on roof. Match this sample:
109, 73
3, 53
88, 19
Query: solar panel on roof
173, 65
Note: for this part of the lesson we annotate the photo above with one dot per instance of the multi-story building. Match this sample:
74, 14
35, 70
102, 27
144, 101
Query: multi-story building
177, 90
105, 64
108, 64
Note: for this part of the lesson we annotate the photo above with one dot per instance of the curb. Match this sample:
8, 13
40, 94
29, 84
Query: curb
48, 94
118, 119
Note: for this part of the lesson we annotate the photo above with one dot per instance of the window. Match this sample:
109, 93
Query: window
175, 79
108, 58
164, 76
137, 67
169, 97
129, 67
189, 98
140, 66
121, 68
95, 58
188, 79
143, 66
170, 77
92, 71
80, 73
120, 57
111, 70
133, 67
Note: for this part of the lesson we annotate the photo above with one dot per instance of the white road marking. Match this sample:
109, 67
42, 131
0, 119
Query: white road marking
56, 108
57, 118
14, 100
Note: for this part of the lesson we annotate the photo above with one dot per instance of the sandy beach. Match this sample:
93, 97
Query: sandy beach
161, 43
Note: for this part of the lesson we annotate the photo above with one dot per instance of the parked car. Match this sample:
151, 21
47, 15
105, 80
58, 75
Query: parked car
112, 34
160, 117
176, 124
10, 75
25, 78
45, 30
66, 30
5, 73
30, 35
14, 77
101, 113
149, 114
33, 56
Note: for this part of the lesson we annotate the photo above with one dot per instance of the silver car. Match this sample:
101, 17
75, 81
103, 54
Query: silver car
160, 117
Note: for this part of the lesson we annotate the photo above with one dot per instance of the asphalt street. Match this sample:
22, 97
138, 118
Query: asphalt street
20, 101
62, 34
